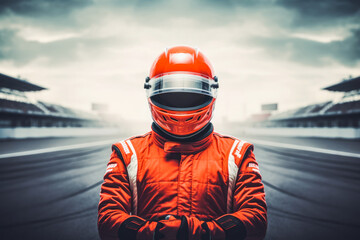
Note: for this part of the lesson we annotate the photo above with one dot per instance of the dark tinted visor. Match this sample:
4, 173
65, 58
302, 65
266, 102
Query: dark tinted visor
181, 101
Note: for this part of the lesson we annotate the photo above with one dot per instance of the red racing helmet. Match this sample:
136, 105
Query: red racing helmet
181, 90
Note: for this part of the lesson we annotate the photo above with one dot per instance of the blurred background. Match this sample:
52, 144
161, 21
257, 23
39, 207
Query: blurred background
71, 84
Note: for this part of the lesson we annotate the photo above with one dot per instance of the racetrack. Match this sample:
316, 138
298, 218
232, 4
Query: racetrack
54, 195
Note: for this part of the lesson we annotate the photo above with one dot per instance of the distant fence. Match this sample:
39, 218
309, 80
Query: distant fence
346, 133
35, 132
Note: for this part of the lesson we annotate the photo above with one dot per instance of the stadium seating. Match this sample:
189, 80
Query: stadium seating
18, 110
301, 111
318, 107
345, 107
21, 107
61, 111
49, 107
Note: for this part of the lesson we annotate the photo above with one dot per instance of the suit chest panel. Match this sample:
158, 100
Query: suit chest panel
203, 167
194, 184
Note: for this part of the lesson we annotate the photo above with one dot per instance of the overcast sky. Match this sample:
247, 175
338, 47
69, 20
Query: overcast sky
263, 51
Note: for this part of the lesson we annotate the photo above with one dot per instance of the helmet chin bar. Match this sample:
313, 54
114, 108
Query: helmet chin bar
182, 137
182, 123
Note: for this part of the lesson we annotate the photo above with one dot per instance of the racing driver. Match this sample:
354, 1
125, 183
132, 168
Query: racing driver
182, 180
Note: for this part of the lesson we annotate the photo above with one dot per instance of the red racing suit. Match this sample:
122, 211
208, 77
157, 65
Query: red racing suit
215, 181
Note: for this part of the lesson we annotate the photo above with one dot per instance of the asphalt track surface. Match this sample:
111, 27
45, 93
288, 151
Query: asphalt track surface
54, 195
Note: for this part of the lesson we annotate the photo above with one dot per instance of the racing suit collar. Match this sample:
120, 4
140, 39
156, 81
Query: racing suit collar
192, 144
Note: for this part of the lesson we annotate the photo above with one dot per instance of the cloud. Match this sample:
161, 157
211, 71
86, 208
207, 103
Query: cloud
348, 50
308, 52
14, 48
41, 7
110, 44
311, 13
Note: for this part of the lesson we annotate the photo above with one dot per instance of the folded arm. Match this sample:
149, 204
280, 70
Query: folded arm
248, 219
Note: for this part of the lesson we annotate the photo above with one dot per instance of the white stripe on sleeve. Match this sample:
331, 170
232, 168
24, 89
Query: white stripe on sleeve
233, 170
132, 172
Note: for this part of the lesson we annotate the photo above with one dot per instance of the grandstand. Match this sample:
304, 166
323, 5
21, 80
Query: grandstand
17, 110
340, 118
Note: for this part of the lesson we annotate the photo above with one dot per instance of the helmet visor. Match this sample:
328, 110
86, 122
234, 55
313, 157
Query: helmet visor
184, 83
179, 101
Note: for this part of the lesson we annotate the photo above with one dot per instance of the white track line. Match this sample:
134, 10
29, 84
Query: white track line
305, 148
56, 149
100, 143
